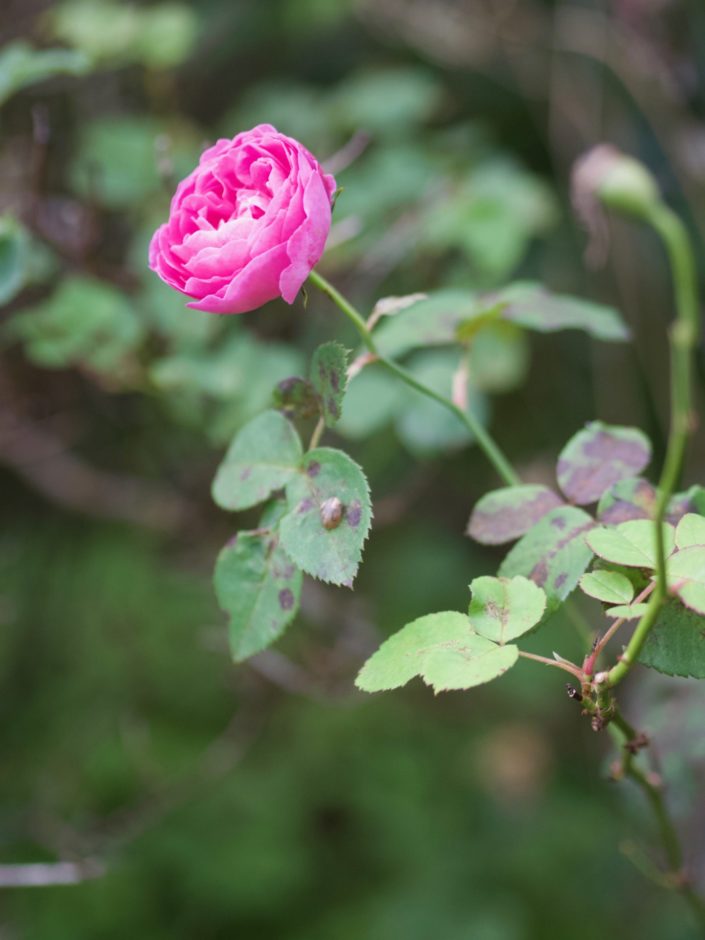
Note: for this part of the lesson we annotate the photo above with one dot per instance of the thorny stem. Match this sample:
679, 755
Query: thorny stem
683, 337
485, 441
610, 632
677, 879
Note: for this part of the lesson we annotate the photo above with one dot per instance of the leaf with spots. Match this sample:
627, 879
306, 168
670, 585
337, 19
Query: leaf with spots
610, 587
503, 609
331, 552
632, 544
507, 513
553, 554
264, 455
329, 378
443, 650
693, 500
598, 457
296, 398
633, 498
259, 587
676, 642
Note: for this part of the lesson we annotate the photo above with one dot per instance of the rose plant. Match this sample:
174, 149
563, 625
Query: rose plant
250, 224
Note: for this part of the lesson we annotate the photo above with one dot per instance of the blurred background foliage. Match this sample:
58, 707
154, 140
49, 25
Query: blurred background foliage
269, 800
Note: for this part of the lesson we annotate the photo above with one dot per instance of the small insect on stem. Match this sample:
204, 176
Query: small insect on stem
331, 513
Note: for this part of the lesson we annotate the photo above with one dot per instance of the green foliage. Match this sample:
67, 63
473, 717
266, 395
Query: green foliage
85, 322
296, 398
14, 257
686, 576
329, 516
504, 515
329, 378
598, 457
627, 611
632, 544
504, 609
676, 643
693, 500
259, 588
21, 66
443, 650
690, 531
112, 33
610, 587
498, 357
262, 458
554, 553
432, 321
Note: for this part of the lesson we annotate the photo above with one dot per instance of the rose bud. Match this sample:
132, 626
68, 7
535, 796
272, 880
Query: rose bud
247, 225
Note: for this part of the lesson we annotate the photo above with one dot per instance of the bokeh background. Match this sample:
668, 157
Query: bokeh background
195, 798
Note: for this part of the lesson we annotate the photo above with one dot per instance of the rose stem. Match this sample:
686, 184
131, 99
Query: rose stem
491, 450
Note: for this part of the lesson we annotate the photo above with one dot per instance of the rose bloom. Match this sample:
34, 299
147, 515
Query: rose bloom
247, 225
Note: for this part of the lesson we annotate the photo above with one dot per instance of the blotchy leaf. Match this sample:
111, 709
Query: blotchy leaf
503, 609
676, 643
633, 498
690, 530
554, 553
442, 649
329, 552
259, 587
611, 587
296, 398
686, 576
329, 378
693, 500
263, 456
532, 306
507, 513
597, 457
632, 544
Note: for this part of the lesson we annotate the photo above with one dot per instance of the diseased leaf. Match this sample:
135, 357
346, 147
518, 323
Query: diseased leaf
676, 643
633, 498
631, 543
329, 378
442, 649
690, 530
259, 587
507, 513
554, 553
532, 306
627, 611
611, 587
296, 398
597, 457
263, 456
686, 576
331, 552
503, 609
693, 500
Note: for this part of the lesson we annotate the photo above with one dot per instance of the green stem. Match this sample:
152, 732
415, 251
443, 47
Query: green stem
623, 734
683, 337
487, 444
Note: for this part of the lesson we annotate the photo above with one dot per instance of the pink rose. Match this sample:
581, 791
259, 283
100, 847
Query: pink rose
247, 225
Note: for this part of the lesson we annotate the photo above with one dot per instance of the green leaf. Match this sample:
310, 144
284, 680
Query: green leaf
330, 552
676, 643
440, 648
631, 543
21, 66
498, 358
611, 587
262, 458
633, 498
532, 306
507, 513
329, 378
686, 576
597, 457
627, 611
259, 588
14, 257
553, 553
296, 398
503, 609
429, 322
690, 530
372, 400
